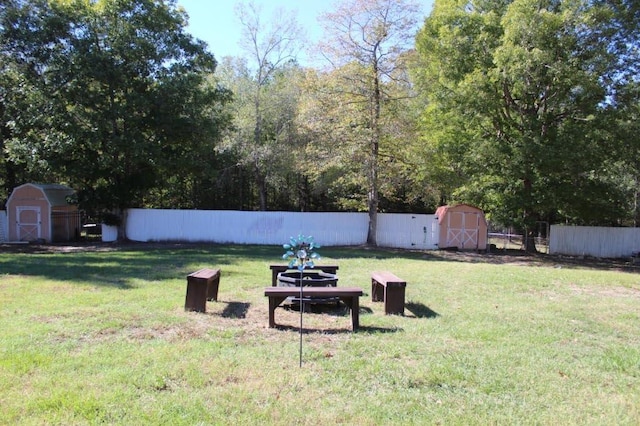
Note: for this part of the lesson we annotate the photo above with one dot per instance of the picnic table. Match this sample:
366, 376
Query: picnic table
349, 295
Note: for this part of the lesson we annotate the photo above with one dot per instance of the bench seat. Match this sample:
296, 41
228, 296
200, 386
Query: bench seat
349, 295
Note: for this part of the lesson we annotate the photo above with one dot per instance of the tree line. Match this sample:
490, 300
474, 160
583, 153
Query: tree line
526, 109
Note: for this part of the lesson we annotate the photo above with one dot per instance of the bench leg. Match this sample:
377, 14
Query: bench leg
212, 288
196, 297
394, 300
377, 291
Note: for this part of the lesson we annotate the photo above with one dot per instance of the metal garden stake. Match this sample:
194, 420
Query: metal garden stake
301, 253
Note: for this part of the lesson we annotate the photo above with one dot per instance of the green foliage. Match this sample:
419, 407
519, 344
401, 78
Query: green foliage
264, 137
528, 109
365, 42
110, 219
520, 117
265, 84
117, 96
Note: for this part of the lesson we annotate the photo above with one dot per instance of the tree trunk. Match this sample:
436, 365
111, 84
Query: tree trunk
636, 212
529, 240
261, 183
372, 196
373, 220
261, 180
122, 229
528, 234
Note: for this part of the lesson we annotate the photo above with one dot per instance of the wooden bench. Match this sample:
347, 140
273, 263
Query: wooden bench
202, 285
276, 269
349, 295
387, 288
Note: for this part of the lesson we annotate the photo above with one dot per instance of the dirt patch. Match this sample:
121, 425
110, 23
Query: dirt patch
517, 257
84, 246
615, 292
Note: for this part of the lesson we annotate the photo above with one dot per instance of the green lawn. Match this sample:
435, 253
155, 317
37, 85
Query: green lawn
90, 337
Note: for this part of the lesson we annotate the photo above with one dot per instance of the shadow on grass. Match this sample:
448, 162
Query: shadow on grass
361, 329
373, 253
305, 330
333, 310
421, 311
236, 310
522, 258
116, 265
378, 330
329, 308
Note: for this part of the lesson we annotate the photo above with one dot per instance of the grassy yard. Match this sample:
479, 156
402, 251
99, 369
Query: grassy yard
101, 336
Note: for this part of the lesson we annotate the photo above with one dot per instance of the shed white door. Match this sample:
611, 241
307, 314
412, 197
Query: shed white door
28, 224
463, 229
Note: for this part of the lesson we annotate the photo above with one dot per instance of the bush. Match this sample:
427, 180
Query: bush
111, 219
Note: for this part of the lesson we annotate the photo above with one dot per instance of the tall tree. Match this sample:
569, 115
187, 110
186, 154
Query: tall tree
269, 162
120, 97
518, 96
270, 48
10, 106
366, 39
333, 151
23, 110
332, 131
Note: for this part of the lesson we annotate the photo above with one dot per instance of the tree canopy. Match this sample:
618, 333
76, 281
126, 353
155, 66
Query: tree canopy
107, 96
528, 110
521, 104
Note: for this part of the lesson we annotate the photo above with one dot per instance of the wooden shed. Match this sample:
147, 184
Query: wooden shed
462, 226
42, 212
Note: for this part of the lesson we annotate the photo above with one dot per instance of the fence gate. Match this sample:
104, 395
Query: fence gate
66, 225
3, 228
424, 232
28, 223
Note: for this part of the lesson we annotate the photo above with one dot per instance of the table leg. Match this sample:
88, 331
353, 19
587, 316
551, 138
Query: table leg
274, 302
354, 303
355, 312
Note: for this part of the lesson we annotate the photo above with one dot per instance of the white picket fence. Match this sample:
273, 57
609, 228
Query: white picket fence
417, 231
604, 242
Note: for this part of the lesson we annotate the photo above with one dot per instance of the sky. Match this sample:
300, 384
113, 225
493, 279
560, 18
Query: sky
215, 21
